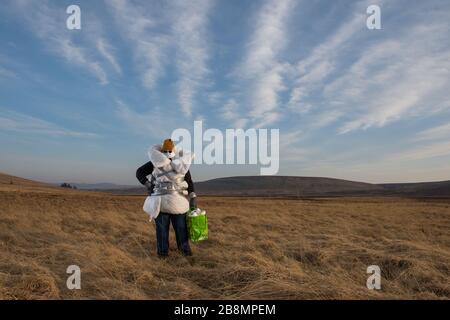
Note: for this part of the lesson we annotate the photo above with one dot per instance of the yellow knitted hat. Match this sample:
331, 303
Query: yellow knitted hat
168, 145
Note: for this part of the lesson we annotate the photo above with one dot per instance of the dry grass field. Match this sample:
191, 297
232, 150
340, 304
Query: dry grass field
258, 248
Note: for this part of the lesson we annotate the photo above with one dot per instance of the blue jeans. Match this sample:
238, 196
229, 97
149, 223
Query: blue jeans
162, 223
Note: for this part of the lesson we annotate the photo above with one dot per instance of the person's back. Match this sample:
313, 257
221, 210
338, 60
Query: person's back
169, 188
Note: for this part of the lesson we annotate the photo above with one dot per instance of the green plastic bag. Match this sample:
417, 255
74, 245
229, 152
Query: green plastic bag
197, 224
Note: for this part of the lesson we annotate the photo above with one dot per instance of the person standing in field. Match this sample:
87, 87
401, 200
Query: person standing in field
170, 194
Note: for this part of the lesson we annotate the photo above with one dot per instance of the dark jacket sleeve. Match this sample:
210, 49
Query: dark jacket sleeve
143, 171
188, 179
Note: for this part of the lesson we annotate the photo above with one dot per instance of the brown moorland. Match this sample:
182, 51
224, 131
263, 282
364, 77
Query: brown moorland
259, 248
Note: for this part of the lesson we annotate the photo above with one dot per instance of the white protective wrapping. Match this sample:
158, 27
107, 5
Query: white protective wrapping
174, 203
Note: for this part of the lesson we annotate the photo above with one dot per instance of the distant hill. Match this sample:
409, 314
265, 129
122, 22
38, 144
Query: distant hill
307, 187
285, 186
6, 179
101, 186
428, 189
273, 186
317, 186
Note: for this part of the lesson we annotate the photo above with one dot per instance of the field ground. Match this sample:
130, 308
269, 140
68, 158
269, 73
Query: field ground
316, 248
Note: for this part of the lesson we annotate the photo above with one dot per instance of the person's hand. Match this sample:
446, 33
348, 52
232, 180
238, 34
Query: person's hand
192, 201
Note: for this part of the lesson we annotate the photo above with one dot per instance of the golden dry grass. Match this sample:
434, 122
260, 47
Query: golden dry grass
258, 248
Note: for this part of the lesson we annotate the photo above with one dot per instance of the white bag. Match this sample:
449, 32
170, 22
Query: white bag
152, 206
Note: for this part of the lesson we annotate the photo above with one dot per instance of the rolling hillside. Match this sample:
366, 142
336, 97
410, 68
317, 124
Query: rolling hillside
6, 179
285, 186
305, 187
427, 189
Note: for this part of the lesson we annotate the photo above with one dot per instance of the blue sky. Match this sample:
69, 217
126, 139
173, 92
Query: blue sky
353, 103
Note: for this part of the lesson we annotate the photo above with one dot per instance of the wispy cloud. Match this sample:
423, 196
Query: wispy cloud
181, 36
150, 42
287, 139
47, 22
77, 55
261, 66
106, 51
230, 112
321, 62
411, 85
385, 78
191, 39
154, 123
422, 152
439, 132
19, 122
6, 73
